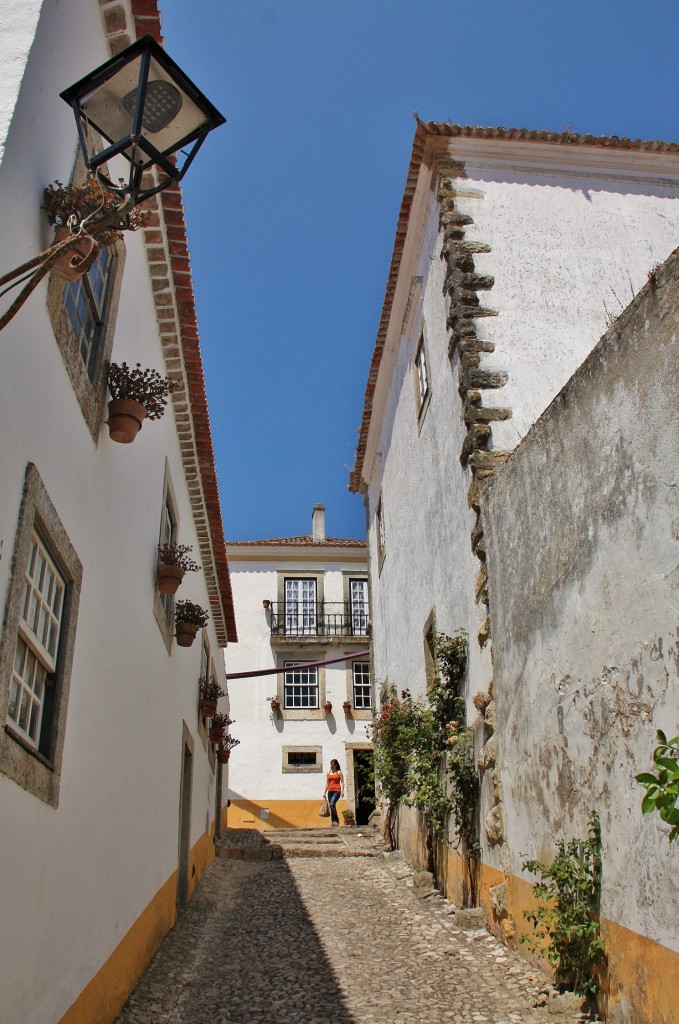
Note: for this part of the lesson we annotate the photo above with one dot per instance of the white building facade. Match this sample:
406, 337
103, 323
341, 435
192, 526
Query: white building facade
514, 251
109, 787
300, 602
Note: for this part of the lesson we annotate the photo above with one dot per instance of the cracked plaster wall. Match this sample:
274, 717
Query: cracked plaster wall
582, 536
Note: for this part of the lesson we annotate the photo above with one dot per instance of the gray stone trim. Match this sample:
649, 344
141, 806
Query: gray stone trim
40, 774
90, 394
462, 285
305, 769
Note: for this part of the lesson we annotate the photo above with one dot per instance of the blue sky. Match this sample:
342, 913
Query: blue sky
292, 205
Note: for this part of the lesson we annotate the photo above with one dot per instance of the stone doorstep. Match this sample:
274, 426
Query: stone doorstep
307, 850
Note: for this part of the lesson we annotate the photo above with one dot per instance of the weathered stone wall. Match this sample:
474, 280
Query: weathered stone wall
582, 530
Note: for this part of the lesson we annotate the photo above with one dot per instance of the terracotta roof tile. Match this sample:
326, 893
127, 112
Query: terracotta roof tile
329, 542
447, 130
176, 309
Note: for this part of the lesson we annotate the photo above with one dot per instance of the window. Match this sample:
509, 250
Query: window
422, 389
300, 607
36, 652
358, 597
168, 535
301, 685
302, 760
301, 757
362, 687
85, 303
35, 657
379, 524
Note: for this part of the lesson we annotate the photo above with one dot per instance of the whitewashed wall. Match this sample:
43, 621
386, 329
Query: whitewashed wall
570, 236
582, 533
255, 766
76, 878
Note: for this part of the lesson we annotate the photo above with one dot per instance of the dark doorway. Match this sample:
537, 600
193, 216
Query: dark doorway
364, 785
184, 826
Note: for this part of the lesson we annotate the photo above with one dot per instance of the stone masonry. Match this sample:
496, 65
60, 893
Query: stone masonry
341, 937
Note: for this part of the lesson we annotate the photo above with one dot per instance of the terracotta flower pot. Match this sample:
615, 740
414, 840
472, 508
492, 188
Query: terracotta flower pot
125, 418
168, 578
223, 756
75, 261
275, 706
216, 735
185, 632
327, 707
208, 708
346, 707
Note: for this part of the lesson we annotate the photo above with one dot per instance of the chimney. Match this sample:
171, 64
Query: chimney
318, 523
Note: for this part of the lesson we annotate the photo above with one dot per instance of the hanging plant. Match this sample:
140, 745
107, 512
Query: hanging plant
225, 748
74, 204
188, 619
220, 723
173, 563
136, 394
210, 692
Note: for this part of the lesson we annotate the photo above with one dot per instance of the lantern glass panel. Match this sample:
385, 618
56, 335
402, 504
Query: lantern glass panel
170, 116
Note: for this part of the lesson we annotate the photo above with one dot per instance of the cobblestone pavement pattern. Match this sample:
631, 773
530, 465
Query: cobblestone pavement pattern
330, 940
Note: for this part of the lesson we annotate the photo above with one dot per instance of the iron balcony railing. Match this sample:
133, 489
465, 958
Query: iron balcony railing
318, 618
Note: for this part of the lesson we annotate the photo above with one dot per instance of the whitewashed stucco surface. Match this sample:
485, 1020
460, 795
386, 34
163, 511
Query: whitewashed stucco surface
582, 528
75, 878
255, 766
570, 236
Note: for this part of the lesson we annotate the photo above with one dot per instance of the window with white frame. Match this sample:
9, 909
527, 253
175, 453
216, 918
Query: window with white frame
35, 656
300, 607
358, 597
362, 687
37, 644
301, 685
85, 303
421, 372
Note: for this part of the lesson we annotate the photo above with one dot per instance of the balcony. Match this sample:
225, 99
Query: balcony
318, 621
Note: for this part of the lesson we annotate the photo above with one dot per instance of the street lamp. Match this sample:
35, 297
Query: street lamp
145, 109
144, 106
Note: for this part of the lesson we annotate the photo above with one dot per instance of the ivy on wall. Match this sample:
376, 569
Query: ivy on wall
424, 752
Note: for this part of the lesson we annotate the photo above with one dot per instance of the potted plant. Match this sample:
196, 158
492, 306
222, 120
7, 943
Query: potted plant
225, 748
346, 707
173, 562
349, 817
220, 723
210, 692
275, 704
70, 208
327, 707
135, 395
188, 619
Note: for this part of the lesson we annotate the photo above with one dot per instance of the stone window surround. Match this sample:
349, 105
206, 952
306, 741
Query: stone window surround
301, 714
165, 621
360, 714
90, 394
299, 574
380, 534
33, 771
421, 401
305, 769
355, 574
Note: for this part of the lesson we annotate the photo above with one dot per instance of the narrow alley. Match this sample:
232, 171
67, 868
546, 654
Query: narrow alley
330, 929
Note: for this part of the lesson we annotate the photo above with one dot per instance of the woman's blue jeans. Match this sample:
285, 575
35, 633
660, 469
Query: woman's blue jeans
333, 797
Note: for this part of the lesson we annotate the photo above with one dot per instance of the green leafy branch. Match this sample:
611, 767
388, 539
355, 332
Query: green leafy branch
567, 924
662, 790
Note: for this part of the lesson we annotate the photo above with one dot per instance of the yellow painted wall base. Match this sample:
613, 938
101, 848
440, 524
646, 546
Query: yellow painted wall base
104, 996
282, 814
641, 982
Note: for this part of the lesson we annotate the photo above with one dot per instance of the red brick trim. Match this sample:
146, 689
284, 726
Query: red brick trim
167, 253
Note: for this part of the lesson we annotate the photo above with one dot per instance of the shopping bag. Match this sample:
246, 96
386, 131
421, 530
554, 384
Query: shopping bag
324, 811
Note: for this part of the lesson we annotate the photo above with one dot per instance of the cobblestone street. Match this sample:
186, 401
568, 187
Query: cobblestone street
327, 939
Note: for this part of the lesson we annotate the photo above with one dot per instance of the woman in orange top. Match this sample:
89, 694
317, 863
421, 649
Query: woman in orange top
334, 789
